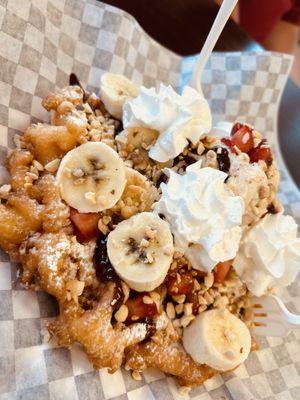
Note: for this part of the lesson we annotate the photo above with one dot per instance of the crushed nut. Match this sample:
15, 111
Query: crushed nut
53, 165
170, 310
4, 191
201, 299
208, 298
179, 308
31, 176
106, 219
78, 172
202, 308
74, 289
188, 309
197, 285
173, 265
200, 148
91, 197
136, 376
151, 233
176, 323
38, 165
186, 319
122, 313
209, 280
179, 298
184, 391
221, 302
147, 300
144, 243
102, 227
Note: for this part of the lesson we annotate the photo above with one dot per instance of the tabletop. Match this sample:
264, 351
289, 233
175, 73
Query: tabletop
182, 26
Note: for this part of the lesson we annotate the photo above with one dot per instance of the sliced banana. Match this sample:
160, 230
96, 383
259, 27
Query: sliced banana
115, 90
141, 250
91, 177
138, 137
218, 339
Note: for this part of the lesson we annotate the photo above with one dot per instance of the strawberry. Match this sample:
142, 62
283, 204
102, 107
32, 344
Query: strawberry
182, 283
86, 224
261, 153
137, 308
227, 143
221, 270
243, 139
236, 127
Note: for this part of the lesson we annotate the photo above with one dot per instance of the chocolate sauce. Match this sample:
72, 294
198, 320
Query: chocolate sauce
74, 81
118, 296
150, 327
222, 158
104, 270
271, 209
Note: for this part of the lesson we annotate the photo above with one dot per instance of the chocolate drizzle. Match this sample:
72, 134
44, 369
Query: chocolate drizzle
104, 270
74, 81
222, 158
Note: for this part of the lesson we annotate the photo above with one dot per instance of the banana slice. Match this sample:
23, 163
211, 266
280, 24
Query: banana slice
218, 339
91, 177
115, 90
141, 250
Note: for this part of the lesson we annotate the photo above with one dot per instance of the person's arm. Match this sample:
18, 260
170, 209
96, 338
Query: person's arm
282, 38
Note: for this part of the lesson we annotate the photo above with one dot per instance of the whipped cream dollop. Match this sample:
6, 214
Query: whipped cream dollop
204, 215
178, 118
269, 255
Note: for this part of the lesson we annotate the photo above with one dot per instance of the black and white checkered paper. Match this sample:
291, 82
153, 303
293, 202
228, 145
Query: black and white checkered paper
41, 43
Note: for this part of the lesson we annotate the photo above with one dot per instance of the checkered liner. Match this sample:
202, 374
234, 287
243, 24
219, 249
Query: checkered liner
41, 42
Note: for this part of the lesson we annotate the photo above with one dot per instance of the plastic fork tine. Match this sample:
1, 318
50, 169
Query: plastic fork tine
271, 317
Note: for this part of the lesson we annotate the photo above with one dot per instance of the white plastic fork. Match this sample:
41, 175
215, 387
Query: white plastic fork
272, 318
222, 17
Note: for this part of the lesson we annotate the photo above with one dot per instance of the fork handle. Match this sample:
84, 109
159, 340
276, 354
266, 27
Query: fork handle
292, 319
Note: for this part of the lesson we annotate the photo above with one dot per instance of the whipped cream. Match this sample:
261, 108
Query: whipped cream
179, 119
204, 215
269, 256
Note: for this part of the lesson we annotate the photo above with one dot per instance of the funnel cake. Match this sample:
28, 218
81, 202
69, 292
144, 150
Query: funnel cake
63, 252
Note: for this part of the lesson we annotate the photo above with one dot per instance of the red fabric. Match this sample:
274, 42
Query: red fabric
259, 17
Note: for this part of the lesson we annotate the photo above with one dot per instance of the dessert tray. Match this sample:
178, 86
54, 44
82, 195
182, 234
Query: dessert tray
150, 220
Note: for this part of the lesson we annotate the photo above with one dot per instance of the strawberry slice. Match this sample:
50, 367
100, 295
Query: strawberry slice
182, 283
236, 127
86, 224
243, 139
137, 308
261, 153
221, 270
